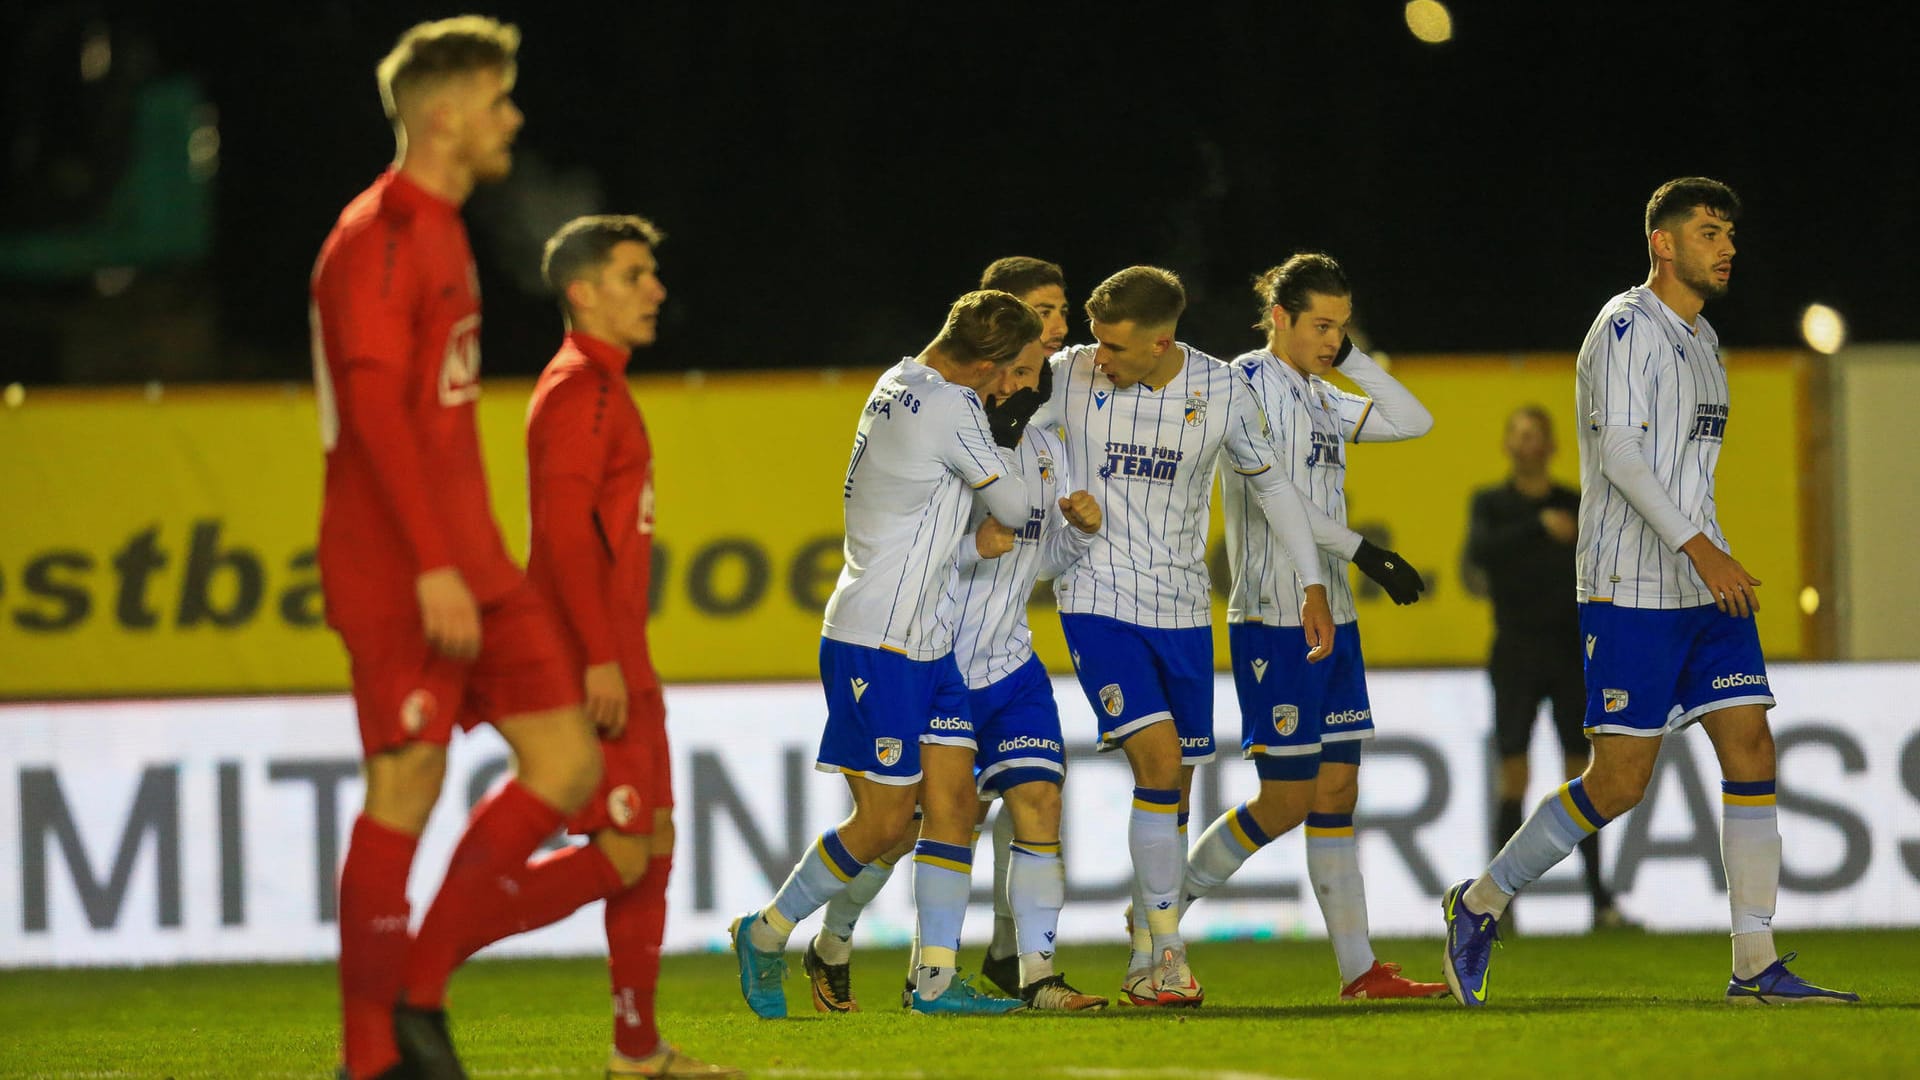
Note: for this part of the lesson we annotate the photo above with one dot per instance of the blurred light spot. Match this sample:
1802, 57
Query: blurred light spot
96, 56
1823, 328
1809, 600
1430, 21
154, 391
15, 394
113, 280
203, 151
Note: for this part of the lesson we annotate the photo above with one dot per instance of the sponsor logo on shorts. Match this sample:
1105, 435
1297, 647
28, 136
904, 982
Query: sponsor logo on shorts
623, 805
1196, 742
417, 711
951, 723
859, 690
1347, 716
1728, 682
1286, 719
887, 750
1259, 670
1112, 700
1027, 742
1613, 700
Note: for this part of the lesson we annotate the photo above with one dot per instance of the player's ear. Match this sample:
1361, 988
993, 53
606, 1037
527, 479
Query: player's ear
1661, 241
580, 294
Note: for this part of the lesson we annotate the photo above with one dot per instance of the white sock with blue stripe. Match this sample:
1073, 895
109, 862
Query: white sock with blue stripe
1228, 843
824, 871
942, 880
1333, 868
1153, 839
1005, 935
835, 941
1550, 834
1750, 849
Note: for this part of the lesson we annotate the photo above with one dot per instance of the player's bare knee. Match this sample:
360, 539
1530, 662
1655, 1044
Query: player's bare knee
663, 834
1034, 805
1337, 789
629, 854
904, 847
1280, 807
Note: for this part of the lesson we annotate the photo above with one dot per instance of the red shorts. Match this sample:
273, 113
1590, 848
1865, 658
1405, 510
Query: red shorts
639, 774
406, 692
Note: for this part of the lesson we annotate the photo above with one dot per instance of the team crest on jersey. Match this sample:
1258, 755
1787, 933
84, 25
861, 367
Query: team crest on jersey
1613, 700
1286, 719
1112, 700
623, 805
417, 711
1620, 324
1196, 412
887, 751
460, 364
1046, 468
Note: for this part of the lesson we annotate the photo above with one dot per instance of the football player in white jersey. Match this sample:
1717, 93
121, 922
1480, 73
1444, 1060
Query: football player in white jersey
897, 718
1145, 417
1016, 722
1303, 725
1666, 612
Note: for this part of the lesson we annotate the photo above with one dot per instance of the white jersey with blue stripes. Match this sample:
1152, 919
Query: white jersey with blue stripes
1147, 456
988, 605
920, 453
1643, 367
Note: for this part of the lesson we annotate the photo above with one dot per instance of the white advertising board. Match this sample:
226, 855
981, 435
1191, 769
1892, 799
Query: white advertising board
175, 831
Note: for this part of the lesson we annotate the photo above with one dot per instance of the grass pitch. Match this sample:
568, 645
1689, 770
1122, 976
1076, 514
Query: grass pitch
1616, 1005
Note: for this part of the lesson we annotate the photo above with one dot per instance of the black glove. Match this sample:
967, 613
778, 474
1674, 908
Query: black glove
1391, 572
1008, 418
1346, 350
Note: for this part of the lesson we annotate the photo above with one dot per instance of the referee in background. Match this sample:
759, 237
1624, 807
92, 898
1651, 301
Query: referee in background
1521, 544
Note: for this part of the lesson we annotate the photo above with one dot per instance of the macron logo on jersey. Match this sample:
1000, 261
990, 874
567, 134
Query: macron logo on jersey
1099, 399
1620, 325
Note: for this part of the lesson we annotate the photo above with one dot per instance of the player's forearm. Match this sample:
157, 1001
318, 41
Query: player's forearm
372, 404
1006, 499
1289, 515
1395, 413
570, 544
1625, 467
1062, 547
1328, 534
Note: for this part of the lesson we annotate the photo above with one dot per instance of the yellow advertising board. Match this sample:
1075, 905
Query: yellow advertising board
163, 543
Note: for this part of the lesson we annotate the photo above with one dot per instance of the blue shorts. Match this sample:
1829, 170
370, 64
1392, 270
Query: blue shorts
1137, 676
1018, 726
881, 706
1655, 670
1294, 715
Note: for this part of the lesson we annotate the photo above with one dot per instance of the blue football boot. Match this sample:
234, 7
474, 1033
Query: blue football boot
760, 973
1469, 951
962, 998
1778, 986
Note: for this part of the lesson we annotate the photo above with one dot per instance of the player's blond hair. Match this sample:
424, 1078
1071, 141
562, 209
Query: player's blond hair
988, 324
1142, 295
432, 52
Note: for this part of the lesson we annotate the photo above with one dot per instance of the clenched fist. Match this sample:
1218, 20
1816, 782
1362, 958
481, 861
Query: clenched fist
993, 540
1081, 512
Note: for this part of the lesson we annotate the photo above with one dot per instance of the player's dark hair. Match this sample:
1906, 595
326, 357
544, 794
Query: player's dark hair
432, 51
988, 324
1535, 412
1288, 285
1673, 202
1020, 275
1142, 295
583, 246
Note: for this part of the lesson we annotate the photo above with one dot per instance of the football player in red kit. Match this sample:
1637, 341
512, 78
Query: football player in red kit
441, 627
590, 485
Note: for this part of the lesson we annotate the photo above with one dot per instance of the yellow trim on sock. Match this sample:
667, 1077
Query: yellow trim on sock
1319, 831
821, 847
1748, 800
1573, 811
1240, 833
954, 865
772, 917
1158, 808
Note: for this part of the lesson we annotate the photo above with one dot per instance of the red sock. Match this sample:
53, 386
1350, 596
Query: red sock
636, 920
505, 828
545, 891
373, 942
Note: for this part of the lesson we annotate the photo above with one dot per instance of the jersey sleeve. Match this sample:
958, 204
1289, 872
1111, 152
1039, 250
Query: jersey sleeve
567, 445
970, 452
1063, 544
1388, 412
1249, 450
366, 299
1618, 365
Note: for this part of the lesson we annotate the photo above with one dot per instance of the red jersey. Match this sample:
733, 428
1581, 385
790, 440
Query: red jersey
396, 367
590, 487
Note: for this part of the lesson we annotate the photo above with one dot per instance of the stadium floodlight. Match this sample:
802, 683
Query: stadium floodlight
1823, 328
1430, 21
